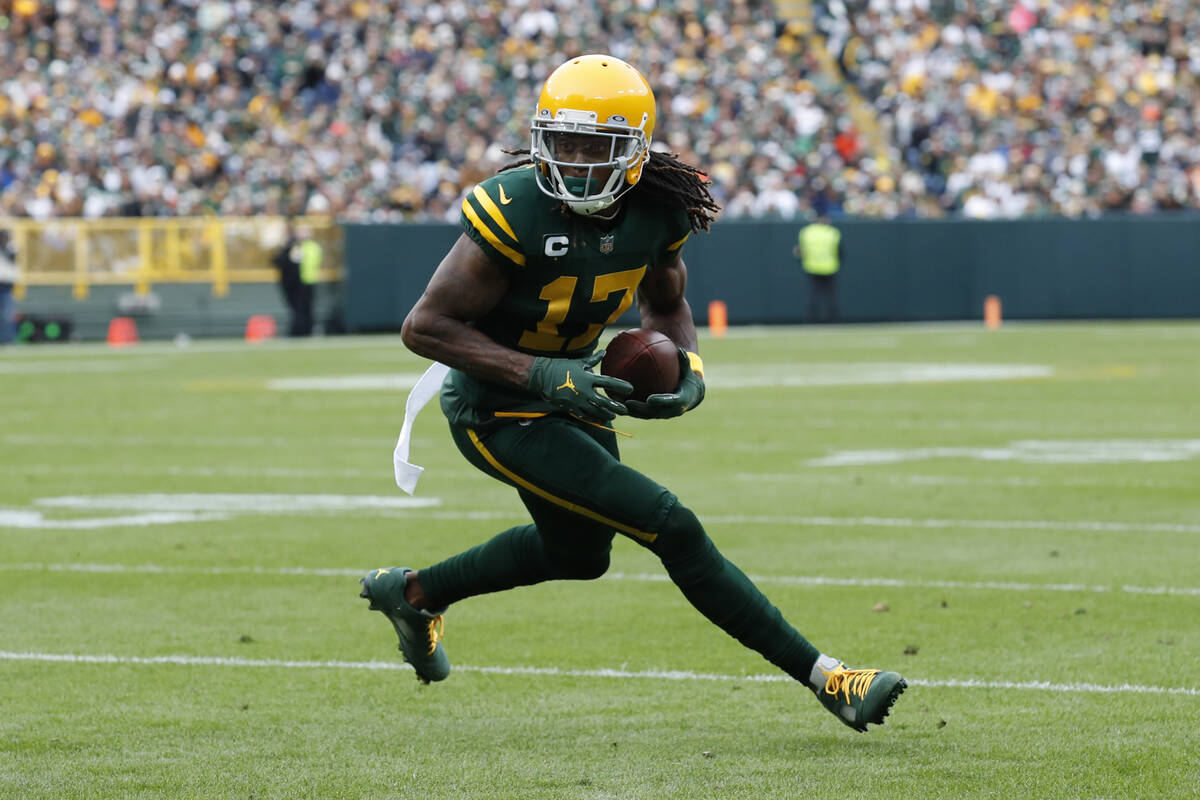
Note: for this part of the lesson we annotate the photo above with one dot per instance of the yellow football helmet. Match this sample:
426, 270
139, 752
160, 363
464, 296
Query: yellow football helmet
596, 96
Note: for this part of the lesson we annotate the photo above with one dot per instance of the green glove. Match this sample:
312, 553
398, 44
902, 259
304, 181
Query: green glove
686, 397
570, 384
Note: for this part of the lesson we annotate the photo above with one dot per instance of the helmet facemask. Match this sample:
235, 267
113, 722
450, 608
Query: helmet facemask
626, 149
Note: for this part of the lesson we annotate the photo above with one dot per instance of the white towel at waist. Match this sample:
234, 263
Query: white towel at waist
426, 388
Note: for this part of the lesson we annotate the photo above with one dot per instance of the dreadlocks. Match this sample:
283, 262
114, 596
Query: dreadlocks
668, 180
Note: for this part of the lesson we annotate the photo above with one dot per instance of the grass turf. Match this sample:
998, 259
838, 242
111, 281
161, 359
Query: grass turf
1022, 549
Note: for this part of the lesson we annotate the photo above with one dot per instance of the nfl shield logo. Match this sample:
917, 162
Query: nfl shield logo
606, 243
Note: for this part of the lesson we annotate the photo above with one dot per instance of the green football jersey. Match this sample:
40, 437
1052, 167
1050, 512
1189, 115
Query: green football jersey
570, 276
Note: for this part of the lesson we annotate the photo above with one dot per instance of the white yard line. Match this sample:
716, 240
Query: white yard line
74, 367
1094, 526
635, 577
555, 672
94, 350
388, 381
809, 374
1029, 451
843, 478
35, 520
283, 442
221, 502
193, 471
393, 505
806, 478
407, 508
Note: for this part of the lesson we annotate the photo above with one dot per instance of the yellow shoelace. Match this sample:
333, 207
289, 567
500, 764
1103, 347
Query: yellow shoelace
434, 631
845, 680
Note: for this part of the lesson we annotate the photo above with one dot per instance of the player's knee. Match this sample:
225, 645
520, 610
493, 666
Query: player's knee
681, 536
689, 555
586, 566
590, 569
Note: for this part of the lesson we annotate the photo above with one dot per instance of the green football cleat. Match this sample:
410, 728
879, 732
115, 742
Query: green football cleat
859, 697
420, 632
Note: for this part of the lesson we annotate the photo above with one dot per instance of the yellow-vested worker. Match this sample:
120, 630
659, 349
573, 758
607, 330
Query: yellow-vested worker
819, 248
311, 256
299, 264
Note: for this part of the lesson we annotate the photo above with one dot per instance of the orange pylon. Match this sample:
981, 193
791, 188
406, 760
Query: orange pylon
122, 332
260, 327
991, 312
718, 318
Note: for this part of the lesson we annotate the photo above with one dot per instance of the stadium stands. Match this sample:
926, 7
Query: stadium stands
1029, 108
386, 111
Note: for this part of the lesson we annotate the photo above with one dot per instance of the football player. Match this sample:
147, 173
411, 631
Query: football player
554, 248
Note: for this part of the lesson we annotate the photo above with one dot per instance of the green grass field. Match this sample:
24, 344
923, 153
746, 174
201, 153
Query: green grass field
1009, 518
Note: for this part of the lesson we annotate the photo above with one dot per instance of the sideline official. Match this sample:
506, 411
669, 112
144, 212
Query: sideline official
819, 249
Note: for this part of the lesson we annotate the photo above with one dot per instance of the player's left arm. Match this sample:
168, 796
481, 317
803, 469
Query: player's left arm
664, 307
662, 302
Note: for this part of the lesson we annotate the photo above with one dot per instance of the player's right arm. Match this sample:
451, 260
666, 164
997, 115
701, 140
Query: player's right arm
463, 289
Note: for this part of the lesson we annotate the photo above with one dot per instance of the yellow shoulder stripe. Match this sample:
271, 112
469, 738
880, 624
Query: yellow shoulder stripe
516, 257
679, 244
493, 211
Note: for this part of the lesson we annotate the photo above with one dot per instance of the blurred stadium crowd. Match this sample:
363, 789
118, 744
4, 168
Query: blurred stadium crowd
374, 110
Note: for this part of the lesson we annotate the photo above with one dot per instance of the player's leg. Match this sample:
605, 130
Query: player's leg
724, 594
574, 484
414, 600
520, 556
579, 491
548, 456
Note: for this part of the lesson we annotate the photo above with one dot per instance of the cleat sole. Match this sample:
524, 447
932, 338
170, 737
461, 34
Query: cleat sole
366, 595
893, 695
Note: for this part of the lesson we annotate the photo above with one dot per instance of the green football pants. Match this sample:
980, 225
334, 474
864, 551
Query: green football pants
579, 494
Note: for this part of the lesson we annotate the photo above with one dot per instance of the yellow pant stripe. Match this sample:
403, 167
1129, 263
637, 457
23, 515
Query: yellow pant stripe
558, 501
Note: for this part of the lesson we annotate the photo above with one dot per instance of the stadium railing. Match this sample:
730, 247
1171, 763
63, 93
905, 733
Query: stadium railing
143, 251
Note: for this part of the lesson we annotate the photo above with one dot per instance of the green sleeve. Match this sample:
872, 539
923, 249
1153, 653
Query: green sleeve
493, 224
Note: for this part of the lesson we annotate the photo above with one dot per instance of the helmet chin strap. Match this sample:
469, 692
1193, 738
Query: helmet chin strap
595, 208
590, 206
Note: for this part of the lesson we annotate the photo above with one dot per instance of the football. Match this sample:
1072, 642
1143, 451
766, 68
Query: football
647, 359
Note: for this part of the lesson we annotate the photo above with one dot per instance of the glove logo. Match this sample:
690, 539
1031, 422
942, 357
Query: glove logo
567, 384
